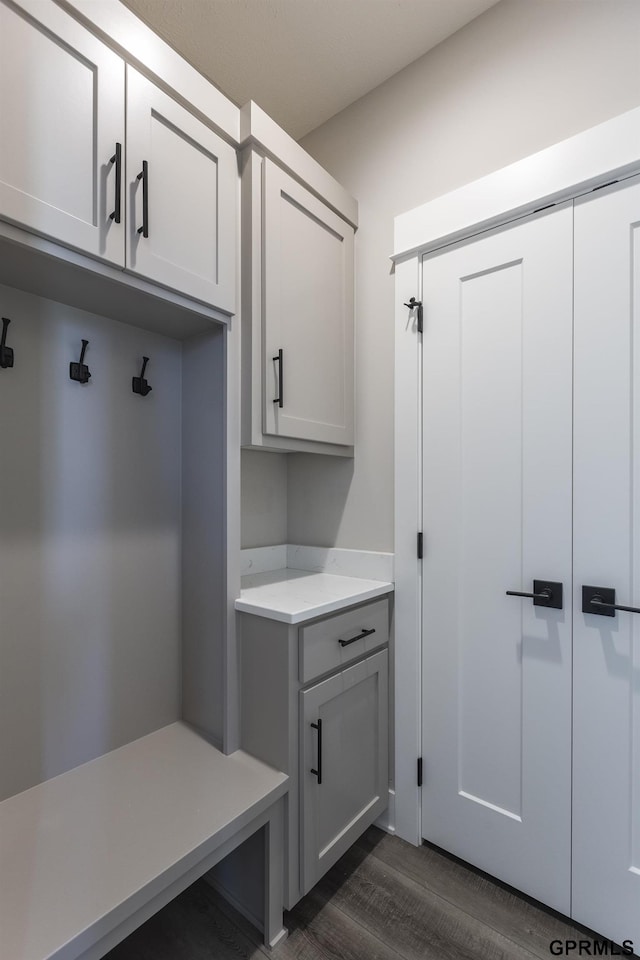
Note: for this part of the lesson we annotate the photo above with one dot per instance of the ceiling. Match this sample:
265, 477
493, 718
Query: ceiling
303, 60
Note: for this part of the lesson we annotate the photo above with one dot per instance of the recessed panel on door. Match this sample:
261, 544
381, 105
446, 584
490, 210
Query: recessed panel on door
182, 188
606, 770
61, 116
497, 516
308, 304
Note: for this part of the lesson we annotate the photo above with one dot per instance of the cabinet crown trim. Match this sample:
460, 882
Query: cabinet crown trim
258, 130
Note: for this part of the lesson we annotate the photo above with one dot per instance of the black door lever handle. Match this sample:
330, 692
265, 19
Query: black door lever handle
602, 602
546, 593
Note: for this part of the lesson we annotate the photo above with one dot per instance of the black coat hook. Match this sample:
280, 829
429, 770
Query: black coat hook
80, 371
139, 384
6, 353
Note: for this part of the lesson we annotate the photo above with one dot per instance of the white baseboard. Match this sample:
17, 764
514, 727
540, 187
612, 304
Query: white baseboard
387, 820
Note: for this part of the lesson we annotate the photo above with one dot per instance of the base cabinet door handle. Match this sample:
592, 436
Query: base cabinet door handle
318, 772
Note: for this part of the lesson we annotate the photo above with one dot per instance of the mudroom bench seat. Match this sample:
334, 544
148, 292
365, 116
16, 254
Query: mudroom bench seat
88, 856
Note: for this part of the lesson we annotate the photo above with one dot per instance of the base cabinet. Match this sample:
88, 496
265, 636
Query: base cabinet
343, 779
328, 732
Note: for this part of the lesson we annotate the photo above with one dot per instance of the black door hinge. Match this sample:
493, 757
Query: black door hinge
417, 306
420, 540
419, 771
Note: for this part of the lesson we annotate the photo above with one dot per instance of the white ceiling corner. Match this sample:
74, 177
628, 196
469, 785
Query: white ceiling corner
303, 61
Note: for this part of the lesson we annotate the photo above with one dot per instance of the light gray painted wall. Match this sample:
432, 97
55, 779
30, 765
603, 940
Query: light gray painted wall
524, 75
89, 540
264, 498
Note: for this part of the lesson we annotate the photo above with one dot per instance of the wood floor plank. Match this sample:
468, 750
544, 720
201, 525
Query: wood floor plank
518, 919
335, 934
411, 919
384, 900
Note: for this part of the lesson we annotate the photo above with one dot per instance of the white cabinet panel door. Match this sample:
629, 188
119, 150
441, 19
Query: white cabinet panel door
308, 314
61, 115
606, 771
186, 239
497, 367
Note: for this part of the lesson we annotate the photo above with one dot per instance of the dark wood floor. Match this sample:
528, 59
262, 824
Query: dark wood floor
384, 900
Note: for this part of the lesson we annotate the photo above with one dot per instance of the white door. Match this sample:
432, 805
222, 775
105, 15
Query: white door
606, 770
308, 310
182, 198
61, 116
497, 368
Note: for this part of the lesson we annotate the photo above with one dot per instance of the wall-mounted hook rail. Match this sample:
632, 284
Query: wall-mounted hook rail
139, 384
6, 353
417, 306
80, 371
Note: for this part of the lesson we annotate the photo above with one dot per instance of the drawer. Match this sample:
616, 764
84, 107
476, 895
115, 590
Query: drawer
330, 643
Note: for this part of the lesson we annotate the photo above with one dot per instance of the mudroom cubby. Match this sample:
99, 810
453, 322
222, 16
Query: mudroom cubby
112, 577
120, 783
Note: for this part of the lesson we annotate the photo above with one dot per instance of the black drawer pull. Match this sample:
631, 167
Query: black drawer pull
318, 773
279, 359
365, 633
117, 159
144, 176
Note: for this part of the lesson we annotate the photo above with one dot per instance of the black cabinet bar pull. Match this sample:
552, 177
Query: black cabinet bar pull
279, 359
144, 176
602, 601
546, 593
117, 159
318, 773
365, 633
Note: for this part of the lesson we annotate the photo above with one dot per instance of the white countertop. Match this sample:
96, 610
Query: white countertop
292, 596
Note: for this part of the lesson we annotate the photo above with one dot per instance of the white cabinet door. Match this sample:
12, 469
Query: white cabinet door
606, 761
308, 314
61, 116
497, 362
182, 198
344, 776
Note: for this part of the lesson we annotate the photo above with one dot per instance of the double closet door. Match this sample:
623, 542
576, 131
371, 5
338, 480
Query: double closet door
531, 484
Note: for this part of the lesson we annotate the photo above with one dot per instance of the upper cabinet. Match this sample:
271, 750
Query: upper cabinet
159, 201
123, 165
61, 117
298, 300
181, 197
308, 314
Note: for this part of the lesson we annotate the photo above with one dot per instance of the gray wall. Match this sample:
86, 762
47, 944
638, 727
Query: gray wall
524, 75
263, 498
89, 540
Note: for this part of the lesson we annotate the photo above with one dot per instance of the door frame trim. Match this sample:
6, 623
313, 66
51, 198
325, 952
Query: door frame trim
587, 161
